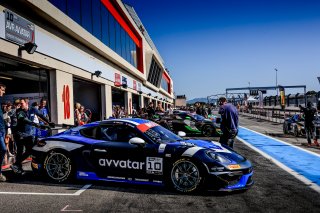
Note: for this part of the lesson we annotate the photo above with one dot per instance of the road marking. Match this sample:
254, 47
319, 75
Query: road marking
281, 165
69, 210
77, 193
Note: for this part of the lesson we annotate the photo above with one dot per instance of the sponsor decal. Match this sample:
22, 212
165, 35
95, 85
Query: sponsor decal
168, 155
154, 165
83, 174
141, 180
117, 178
162, 148
234, 166
124, 164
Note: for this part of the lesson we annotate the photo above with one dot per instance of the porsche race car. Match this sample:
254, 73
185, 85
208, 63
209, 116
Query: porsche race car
142, 152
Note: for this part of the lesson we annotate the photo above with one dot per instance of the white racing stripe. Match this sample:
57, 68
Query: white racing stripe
282, 166
57, 144
191, 151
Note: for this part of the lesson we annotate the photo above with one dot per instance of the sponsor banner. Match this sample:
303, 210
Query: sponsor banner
18, 29
124, 80
134, 85
117, 79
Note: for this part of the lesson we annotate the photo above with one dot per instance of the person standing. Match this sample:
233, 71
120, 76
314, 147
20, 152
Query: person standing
3, 149
24, 133
229, 122
150, 110
309, 112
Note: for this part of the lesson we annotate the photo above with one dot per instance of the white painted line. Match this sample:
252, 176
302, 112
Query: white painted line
77, 193
84, 188
313, 153
284, 167
69, 210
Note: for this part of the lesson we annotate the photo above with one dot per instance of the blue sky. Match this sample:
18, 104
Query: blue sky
211, 45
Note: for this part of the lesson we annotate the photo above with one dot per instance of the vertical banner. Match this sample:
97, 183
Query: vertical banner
282, 97
117, 79
134, 85
124, 81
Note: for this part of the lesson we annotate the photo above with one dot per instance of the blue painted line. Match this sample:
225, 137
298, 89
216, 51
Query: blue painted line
301, 161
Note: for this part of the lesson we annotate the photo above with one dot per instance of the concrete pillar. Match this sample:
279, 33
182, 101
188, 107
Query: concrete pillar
108, 101
61, 98
141, 101
128, 101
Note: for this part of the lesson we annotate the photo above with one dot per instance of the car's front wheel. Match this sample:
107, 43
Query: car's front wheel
186, 176
58, 166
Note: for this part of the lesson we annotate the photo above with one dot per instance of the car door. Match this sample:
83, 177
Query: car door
117, 158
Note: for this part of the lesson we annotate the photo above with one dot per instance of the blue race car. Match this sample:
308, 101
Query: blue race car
142, 152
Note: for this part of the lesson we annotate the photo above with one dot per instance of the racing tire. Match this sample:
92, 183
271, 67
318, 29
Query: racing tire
207, 130
285, 128
58, 166
186, 176
296, 132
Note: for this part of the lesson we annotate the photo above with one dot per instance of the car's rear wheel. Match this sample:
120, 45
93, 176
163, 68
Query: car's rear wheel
58, 166
186, 176
207, 131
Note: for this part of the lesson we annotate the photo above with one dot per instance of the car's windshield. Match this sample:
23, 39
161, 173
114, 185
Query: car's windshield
160, 134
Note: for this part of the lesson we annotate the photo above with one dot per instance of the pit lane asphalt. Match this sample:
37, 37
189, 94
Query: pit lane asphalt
275, 190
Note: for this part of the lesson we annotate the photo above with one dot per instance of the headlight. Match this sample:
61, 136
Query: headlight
218, 157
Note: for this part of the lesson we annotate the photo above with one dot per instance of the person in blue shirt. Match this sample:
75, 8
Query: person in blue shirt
229, 122
44, 109
3, 148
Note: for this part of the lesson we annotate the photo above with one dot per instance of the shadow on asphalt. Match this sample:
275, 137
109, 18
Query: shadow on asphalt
30, 179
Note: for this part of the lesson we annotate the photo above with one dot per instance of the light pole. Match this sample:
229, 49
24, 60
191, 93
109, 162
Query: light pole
276, 79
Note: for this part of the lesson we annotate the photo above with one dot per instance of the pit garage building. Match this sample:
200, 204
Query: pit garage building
95, 52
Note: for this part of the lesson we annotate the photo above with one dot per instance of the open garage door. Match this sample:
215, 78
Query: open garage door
88, 94
24, 81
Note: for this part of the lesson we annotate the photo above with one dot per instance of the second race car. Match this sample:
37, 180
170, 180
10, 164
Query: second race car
191, 124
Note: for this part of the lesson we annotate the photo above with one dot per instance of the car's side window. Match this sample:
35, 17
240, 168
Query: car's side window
91, 132
120, 133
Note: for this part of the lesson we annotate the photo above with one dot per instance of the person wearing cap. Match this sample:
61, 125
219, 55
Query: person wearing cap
229, 122
309, 113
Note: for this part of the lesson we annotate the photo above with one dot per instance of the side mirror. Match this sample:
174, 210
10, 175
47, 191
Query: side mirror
137, 141
181, 134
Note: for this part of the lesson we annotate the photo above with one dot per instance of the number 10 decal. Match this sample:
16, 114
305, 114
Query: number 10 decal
154, 165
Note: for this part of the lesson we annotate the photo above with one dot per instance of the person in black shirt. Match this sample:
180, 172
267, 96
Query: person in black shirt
309, 112
151, 112
24, 133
